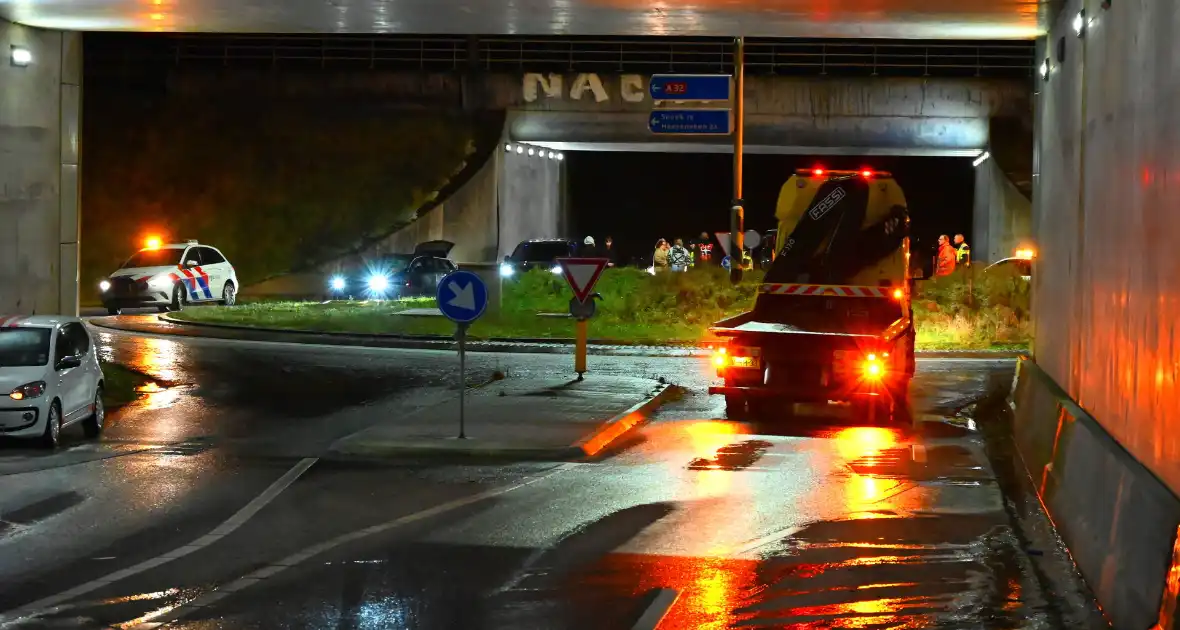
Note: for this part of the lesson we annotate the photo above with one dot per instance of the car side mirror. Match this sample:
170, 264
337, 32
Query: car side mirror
68, 362
507, 258
191, 263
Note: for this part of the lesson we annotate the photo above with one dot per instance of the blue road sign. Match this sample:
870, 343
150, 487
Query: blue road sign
725, 263
462, 296
714, 122
689, 87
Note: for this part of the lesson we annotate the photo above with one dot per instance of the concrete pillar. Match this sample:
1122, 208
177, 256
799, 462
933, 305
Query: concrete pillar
40, 116
530, 193
1002, 216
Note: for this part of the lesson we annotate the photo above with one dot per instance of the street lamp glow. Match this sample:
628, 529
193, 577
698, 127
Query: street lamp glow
337, 283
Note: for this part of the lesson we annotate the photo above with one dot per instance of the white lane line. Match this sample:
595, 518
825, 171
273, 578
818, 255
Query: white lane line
651, 618
306, 554
237, 520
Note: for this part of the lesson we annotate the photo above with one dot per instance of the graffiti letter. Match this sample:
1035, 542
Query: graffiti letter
588, 81
631, 87
550, 85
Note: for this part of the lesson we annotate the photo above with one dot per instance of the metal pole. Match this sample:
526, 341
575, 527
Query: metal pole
462, 379
580, 348
738, 218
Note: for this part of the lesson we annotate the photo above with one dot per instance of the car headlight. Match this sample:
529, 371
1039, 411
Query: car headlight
104, 286
378, 283
507, 270
337, 283
28, 390
556, 269
651, 270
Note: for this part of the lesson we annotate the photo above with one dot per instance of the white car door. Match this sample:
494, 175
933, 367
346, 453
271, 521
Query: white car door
71, 381
218, 270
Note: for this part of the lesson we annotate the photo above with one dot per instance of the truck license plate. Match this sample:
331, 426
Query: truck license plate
745, 362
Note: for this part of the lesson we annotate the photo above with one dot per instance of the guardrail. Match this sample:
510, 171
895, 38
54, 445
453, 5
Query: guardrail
651, 55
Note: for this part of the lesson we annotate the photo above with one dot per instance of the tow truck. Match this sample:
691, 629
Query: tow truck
832, 321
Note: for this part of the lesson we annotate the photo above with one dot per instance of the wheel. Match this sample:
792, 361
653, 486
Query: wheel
114, 310
179, 297
735, 407
92, 426
52, 436
229, 294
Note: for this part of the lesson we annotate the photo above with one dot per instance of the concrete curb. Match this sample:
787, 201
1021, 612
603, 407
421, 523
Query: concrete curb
525, 345
596, 443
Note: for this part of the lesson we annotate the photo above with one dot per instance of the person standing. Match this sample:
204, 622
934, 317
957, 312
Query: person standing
945, 261
608, 252
678, 256
962, 251
659, 259
588, 250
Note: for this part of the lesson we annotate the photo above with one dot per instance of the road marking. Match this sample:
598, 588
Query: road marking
237, 520
651, 618
306, 554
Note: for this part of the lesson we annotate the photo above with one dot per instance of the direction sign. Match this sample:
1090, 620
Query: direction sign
462, 296
725, 263
714, 122
582, 274
690, 87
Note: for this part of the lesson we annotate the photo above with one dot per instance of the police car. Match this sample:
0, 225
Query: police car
49, 378
169, 276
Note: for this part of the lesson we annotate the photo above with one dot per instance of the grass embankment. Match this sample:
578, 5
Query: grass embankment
640, 308
121, 385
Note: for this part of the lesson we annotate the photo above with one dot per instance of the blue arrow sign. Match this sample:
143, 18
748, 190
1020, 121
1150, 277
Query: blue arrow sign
462, 296
690, 121
725, 262
689, 87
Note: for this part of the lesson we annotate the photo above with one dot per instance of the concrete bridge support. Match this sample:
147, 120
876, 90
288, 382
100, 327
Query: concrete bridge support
40, 117
1098, 414
1002, 215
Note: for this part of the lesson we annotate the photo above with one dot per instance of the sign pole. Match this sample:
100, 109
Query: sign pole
738, 217
462, 335
580, 348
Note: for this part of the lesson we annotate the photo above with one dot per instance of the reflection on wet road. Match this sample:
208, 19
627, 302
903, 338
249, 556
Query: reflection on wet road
700, 521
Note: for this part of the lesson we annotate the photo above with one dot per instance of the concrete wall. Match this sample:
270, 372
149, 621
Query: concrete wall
942, 116
531, 200
1106, 222
40, 114
1002, 216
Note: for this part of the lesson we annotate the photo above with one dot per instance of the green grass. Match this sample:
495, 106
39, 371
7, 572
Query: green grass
644, 309
120, 385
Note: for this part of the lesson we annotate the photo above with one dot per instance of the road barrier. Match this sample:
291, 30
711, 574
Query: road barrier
1117, 518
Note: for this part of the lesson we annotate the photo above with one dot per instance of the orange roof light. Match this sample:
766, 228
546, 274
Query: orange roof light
152, 242
1025, 253
897, 294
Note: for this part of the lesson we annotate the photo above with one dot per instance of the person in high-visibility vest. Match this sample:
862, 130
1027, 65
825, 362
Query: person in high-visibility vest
944, 264
962, 251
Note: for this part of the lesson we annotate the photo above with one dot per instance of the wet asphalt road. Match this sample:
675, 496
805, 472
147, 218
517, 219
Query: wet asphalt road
204, 506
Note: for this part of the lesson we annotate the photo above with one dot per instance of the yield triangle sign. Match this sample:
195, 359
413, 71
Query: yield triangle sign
582, 274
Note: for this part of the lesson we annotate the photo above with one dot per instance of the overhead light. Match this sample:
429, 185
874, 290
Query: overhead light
1079, 23
560, 157
519, 149
981, 159
20, 56
1044, 69
531, 151
552, 155
508, 147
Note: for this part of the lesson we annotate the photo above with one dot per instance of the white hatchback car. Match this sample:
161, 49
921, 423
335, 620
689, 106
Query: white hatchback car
49, 378
169, 276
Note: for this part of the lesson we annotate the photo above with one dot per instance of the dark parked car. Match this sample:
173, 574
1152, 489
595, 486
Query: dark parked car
396, 275
537, 254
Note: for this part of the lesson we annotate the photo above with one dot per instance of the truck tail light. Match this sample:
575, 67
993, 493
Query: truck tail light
873, 368
719, 357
